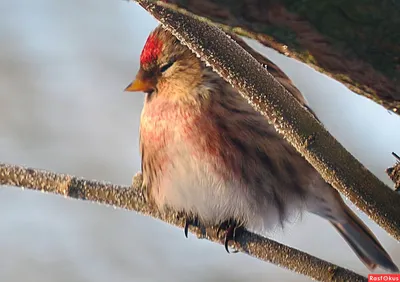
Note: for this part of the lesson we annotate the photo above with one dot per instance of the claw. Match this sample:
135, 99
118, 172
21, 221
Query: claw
231, 231
190, 221
230, 235
186, 229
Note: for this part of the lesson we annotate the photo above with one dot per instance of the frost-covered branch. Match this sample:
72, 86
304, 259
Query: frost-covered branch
132, 198
336, 165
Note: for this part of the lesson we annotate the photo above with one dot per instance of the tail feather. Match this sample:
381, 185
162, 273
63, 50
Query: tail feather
363, 242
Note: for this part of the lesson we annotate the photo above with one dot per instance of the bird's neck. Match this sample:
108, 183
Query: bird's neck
161, 109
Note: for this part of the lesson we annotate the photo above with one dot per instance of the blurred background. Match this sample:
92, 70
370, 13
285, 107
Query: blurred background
63, 67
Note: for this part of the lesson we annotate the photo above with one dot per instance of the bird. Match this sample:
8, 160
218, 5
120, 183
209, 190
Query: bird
207, 153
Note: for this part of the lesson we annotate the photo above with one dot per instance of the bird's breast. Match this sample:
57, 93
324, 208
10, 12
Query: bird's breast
162, 124
173, 134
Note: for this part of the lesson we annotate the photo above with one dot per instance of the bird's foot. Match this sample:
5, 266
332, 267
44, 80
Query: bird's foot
191, 221
233, 229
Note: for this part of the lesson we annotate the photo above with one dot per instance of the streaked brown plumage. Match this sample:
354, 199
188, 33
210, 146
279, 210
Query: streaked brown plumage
207, 152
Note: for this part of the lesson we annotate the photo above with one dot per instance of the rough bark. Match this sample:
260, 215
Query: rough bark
355, 42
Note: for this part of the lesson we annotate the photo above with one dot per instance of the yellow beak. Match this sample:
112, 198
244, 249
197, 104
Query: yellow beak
139, 85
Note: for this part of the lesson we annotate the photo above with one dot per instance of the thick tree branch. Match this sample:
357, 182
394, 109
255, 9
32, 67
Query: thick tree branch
336, 165
355, 42
132, 198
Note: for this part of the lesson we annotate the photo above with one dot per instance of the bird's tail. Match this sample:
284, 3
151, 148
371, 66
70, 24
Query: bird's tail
363, 242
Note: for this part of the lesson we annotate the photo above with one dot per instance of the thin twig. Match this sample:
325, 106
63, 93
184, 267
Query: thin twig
132, 198
336, 165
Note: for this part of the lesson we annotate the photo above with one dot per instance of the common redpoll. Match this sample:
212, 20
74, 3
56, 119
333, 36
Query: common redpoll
205, 151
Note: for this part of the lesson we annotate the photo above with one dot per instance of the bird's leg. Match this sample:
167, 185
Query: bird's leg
232, 230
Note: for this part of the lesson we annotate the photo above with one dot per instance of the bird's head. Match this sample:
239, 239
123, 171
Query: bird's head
167, 67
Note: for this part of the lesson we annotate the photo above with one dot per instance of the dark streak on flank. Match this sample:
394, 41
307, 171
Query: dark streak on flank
221, 125
233, 109
291, 173
289, 168
237, 143
267, 162
222, 129
258, 180
280, 206
299, 190
245, 173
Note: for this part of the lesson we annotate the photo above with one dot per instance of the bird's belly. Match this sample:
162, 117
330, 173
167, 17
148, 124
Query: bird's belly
193, 185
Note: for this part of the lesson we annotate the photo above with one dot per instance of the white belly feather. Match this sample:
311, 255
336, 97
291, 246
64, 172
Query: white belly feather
192, 186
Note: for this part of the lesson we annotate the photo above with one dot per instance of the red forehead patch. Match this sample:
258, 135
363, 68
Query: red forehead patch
151, 49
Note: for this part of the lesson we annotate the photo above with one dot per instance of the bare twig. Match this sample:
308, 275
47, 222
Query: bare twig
336, 165
132, 198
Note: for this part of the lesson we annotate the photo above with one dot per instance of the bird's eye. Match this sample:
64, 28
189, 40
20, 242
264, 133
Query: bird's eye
166, 66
